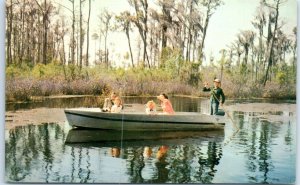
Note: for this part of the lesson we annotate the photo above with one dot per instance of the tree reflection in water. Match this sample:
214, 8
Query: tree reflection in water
38, 153
258, 141
29, 148
175, 164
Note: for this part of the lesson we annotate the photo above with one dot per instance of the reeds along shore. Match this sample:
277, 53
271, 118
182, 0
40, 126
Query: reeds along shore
22, 85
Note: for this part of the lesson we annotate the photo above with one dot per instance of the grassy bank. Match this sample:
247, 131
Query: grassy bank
23, 82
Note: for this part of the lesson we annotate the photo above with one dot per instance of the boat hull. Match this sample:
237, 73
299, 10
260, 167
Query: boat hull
94, 118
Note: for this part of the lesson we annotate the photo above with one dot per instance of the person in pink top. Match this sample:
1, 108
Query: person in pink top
165, 103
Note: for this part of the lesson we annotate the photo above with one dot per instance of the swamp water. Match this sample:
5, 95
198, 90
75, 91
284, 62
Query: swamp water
263, 150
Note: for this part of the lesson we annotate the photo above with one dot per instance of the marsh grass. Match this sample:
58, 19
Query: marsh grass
23, 83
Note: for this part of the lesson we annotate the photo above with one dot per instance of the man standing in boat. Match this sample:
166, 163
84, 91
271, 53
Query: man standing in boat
216, 93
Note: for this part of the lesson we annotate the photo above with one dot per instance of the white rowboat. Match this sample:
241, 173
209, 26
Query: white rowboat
95, 118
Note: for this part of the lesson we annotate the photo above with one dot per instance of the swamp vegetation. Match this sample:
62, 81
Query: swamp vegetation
48, 51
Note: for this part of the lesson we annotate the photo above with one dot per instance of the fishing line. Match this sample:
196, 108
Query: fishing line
122, 136
237, 129
232, 120
122, 130
121, 144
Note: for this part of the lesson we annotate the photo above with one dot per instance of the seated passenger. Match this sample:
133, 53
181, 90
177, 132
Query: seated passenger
150, 107
117, 107
109, 102
165, 103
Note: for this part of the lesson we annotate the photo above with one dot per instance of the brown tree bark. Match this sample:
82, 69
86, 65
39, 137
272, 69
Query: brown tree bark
271, 42
87, 36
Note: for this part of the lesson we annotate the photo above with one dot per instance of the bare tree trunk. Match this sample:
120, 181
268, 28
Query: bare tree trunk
145, 4
189, 42
270, 47
105, 50
128, 38
9, 18
201, 47
45, 23
194, 45
87, 36
63, 53
139, 50
210, 5
260, 53
100, 37
22, 30
164, 27
73, 34
81, 34
142, 27
105, 19
77, 44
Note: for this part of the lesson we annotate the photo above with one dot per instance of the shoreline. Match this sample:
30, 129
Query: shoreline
42, 98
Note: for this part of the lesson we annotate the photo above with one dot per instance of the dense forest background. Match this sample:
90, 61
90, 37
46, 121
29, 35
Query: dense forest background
48, 52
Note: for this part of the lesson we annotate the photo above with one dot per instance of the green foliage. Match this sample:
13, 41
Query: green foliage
39, 70
71, 70
15, 70
281, 78
171, 59
173, 64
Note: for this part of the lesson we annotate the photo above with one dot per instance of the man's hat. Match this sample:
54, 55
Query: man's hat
217, 80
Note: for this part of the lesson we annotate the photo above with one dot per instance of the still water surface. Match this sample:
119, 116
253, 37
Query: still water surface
261, 152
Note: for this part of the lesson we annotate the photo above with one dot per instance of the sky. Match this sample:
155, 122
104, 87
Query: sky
227, 21
236, 15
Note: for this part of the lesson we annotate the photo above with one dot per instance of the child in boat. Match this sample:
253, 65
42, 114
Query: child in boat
150, 107
109, 102
117, 107
166, 104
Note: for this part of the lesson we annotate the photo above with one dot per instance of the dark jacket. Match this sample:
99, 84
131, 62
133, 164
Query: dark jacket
216, 94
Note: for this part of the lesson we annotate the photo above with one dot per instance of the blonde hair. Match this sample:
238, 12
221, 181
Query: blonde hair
118, 99
151, 102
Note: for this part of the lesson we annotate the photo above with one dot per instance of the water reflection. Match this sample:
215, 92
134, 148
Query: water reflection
263, 151
115, 152
109, 137
88, 101
45, 157
260, 141
28, 144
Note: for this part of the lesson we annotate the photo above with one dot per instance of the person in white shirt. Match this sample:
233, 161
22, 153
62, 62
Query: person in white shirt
109, 102
117, 107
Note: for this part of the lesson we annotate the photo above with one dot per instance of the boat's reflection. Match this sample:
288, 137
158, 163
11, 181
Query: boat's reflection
153, 157
114, 136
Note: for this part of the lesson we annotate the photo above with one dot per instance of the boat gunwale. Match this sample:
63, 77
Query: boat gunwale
140, 121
